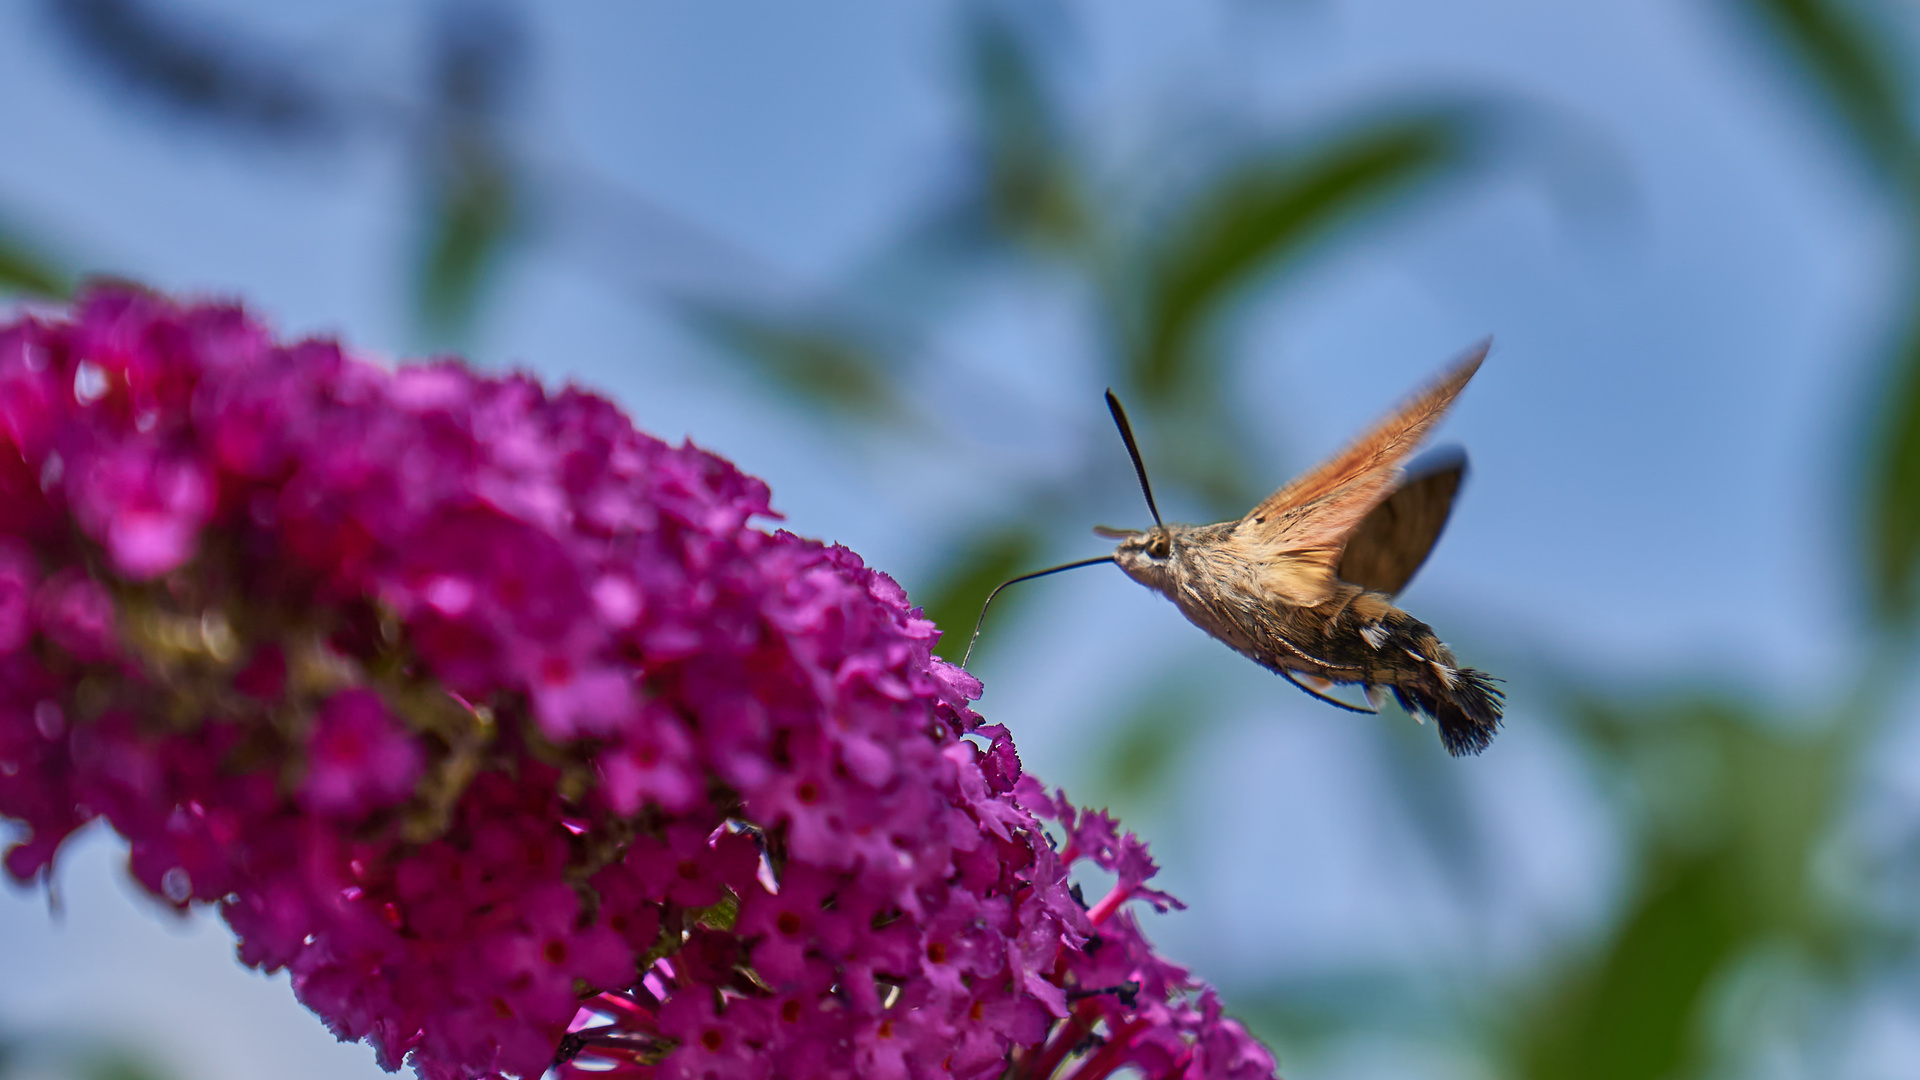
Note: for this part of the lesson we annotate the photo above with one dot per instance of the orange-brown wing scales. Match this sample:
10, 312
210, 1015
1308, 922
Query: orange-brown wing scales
1320, 510
1395, 539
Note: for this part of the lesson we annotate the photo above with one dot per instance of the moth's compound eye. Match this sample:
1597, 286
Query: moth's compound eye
1158, 547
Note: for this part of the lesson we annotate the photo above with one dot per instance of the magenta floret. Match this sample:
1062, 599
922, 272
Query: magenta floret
499, 726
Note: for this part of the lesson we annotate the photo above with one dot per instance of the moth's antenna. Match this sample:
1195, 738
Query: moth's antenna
982, 620
1126, 433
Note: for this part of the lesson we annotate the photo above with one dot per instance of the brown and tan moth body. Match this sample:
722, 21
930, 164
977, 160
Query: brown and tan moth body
1304, 583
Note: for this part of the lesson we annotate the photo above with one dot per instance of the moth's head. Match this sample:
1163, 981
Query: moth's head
1144, 554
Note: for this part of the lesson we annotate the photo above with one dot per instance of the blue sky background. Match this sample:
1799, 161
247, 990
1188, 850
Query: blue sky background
1686, 279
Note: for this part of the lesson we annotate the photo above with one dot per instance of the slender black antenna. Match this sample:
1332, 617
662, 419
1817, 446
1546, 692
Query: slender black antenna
982, 620
1126, 433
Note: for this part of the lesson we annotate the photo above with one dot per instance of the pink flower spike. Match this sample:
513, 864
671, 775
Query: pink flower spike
508, 732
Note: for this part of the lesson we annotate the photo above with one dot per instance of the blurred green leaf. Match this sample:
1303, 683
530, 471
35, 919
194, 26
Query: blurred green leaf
1732, 808
1785, 793
1299, 1019
1711, 773
1254, 216
197, 66
825, 365
61, 1054
23, 270
1892, 495
122, 1066
1860, 80
1638, 1017
955, 597
1142, 754
473, 214
1031, 187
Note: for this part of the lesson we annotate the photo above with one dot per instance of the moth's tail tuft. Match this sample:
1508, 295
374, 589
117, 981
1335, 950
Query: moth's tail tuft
1467, 712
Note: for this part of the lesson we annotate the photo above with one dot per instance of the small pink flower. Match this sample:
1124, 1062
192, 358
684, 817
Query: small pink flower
359, 759
76, 613
693, 866
146, 505
18, 577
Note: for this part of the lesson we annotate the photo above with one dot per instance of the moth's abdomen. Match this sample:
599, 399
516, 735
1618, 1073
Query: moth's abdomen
1467, 713
1355, 637
1464, 703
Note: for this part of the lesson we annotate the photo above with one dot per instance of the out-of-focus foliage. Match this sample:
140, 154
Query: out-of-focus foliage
471, 191
1892, 517
1030, 187
1145, 748
1729, 808
954, 600
25, 271
57, 1057
1848, 62
474, 207
195, 67
122, 1067
1843, 50
1254, 215
829, 366
236, 82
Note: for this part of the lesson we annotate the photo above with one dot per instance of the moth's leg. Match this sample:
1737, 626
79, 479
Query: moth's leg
1328, 698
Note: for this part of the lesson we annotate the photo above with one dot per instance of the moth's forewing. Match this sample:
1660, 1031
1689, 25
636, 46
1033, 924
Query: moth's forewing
1309, 521
1395, 539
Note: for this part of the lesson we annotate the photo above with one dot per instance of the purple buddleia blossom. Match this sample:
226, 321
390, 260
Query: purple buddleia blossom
359, 758
506, 731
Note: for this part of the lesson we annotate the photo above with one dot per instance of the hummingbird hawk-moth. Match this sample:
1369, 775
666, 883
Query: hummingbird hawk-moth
1304, 583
